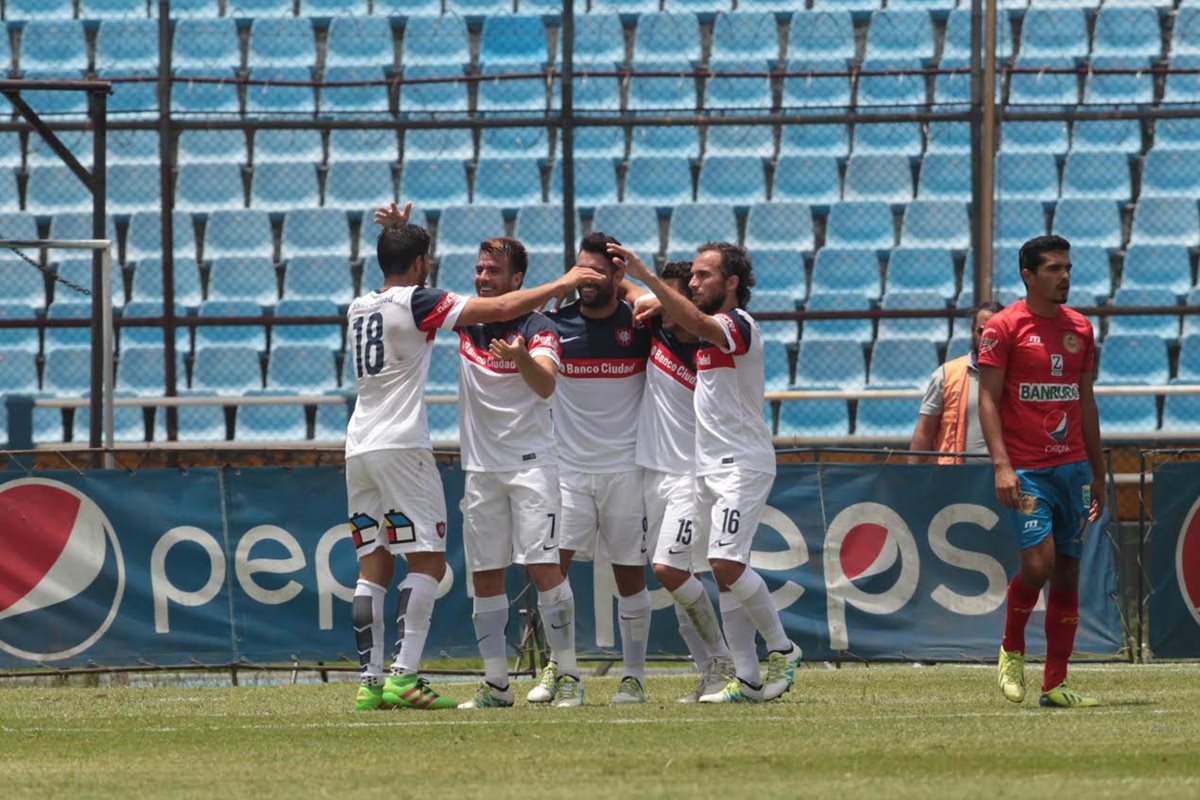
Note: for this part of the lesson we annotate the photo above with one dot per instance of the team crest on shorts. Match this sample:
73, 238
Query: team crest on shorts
1028, 504
1071, 342
441, 530
624, 336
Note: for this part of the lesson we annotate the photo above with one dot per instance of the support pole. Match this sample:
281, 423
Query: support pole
983, 141
166, 152
567, 34
101, 303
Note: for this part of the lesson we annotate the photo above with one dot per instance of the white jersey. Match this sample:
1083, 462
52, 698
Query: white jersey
731, 433
390, 337
599, 390
666, 429
504, 424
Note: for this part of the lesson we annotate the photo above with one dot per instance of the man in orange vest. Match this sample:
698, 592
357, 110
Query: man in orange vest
949, 419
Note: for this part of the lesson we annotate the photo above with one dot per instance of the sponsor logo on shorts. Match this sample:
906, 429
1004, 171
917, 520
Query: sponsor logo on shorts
1048, 392
1071, 342
1027, 504
1032, 524
1055, 425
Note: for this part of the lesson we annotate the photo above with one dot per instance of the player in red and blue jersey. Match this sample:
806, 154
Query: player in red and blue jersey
1039, 417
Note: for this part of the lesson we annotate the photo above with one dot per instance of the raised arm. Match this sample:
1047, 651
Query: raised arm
991, 384
539, 372
682, 310
514, 304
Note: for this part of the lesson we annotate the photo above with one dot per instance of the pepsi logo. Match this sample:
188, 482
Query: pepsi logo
63, 571
1187, 561
1055, 425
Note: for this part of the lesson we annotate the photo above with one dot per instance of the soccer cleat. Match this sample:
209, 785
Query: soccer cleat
716, 673
370, 698
546, 685
735, 690
488, 696
781, 672
412, 691
568, 692
630, 691
1062, 696
1012, 675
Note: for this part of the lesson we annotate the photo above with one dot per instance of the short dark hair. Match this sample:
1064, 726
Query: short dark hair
1033, 250
990, 305
734, 261
399, 247
597, 243
678, 271
506, 248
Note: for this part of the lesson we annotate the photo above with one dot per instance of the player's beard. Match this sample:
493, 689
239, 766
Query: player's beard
711, 305
602, 295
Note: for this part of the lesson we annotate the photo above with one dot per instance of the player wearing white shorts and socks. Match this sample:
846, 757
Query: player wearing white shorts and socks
666, 451
599, 391
735, 460
506, 376
394, 491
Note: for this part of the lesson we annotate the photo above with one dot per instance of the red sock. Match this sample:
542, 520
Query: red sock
1021, 600
1062, 619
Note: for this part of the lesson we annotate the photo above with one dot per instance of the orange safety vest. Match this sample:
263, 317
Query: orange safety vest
956, 390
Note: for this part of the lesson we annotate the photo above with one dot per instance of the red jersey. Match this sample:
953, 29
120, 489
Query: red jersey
1043, 359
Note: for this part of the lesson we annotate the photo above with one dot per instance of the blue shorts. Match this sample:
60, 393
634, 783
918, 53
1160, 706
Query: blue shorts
1054, 500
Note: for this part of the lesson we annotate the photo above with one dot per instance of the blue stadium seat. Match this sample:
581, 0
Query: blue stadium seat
1044, 88
1121, 135
79, 272
740, 140
17, 225
775, 365
338, 9
48, 426
360, 42
860, 224
236, 233
10, 145
1088, 222
1127, 413
79, 143
141, 309
352, 185
513, 39
1165, 326
932, 329
594, 94
811, 179
662, 95
456, 272
301, 369
778, 271
349, 144
1127, 32
218, 146
902, 363
666, 39
830, 364
763, 300
957, 42
695, 224
813, 418
821, 36
514, 143
900, 34
368, 231
141, 371
127, 44
599, 42
1131, 359
148, 283
318, 278
281, 187
739, 180
443, 367
1097, 175
634, 225
52, 190
276, 422
18, 373
1181, 412
188, 9
1027, 176
1171, 173
76, 225
430, 41
39, 10
127, 147
847, 271
779, 225
209, 187
745, 36
143, 238
886, 417
279, 96
812, 93
56, 105
1191, 322
1091, 274
1054, 33
319, 335
10, 199
543, 268
68, 370
1016, 221
355, 101
660, 181
879, 177
407, 8
53, 45
315, 232
522, 96
917, 269
462, 228
431, 184
331, 423
205, 43
473, 10
665, 140
857, 330
248, 278
200, 98
738, 85
945, 176
890, 93
1157, 266
252, 336
932, 223
287, 146
16, 339
1046, 137
595, 182
1189, 361
197, 423
443, 422
508, 182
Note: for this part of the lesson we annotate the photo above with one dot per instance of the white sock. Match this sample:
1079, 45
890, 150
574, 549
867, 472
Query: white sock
698, 608
751, 591
739, 632
366, 615
413, 616
633, 614
557, 608
491, 622
691, 637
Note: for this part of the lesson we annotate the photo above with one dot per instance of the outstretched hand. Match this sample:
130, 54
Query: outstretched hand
634, 266
506, 351
392, 216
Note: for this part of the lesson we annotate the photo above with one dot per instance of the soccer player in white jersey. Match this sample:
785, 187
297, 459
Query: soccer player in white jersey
666, 450
394, 492
735, 460
599, 391
506, 377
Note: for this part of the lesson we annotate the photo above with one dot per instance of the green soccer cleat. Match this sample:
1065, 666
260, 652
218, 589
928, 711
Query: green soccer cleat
412, 691
630, 691
488, 696
1062, 696
546, 685
781, 672
568, 692
735, 691
370, 698
1012, 675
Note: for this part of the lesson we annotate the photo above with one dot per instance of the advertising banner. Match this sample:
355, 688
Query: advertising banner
1174, 568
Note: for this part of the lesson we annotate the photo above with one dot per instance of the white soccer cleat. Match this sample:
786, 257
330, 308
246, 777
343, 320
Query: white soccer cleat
781, 671
488, 696
735, 690
716, 673
568, 692
544, 691
630, 691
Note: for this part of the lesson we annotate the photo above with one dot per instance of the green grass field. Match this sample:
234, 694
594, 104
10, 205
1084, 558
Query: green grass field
894, 731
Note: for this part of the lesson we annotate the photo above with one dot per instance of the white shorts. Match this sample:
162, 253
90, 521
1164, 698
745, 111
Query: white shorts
729, 506
511, 517
670, 501
605, 507
395, 500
